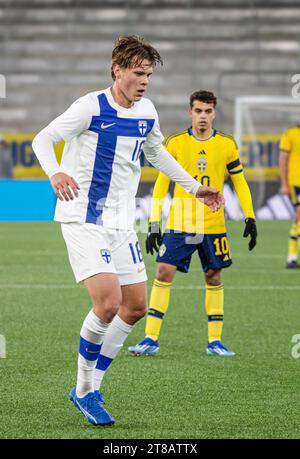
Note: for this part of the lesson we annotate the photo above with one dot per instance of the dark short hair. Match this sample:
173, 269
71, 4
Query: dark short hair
130, 51
203, 96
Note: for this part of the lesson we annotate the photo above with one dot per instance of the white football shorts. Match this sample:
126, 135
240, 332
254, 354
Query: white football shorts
93, 249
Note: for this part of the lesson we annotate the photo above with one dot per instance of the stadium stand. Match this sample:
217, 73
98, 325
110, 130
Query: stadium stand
54, 51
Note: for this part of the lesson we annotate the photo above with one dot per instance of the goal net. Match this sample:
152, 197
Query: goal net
258, 126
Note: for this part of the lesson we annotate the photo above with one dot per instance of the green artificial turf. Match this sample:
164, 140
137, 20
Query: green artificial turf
182, 393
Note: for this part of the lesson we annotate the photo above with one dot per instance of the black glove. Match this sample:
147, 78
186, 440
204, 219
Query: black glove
251, 229
154, 238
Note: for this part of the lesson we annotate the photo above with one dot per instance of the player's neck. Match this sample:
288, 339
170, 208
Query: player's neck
202, 135
119, 97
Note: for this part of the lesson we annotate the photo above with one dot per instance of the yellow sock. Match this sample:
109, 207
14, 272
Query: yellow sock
214, 306
293, 242
159, 302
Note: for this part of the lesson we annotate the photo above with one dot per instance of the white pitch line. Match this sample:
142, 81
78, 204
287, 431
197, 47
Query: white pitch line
244, 287
48, 252
176, 287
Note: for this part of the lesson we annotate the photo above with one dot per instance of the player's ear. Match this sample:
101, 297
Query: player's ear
116, 70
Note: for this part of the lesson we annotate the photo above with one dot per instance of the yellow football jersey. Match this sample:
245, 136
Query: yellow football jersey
208, 162
290, 142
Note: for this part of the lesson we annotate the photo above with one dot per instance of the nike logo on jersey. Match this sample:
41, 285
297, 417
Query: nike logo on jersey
105, 126
140, 269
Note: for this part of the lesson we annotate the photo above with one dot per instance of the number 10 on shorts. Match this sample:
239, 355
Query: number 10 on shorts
222, 246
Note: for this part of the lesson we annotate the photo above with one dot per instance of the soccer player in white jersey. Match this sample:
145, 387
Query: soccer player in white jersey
96, 183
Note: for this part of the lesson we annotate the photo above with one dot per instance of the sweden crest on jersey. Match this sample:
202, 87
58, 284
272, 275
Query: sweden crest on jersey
106, 255
143, 127
201, 164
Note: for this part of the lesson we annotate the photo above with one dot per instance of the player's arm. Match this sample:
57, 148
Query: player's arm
159, 157
68, 125
154, 238
160, 191
242, 190
283, 170
284, 163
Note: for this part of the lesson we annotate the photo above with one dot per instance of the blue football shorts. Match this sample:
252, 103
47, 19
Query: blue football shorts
177, 250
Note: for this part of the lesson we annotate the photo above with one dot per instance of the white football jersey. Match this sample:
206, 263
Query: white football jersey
103, 145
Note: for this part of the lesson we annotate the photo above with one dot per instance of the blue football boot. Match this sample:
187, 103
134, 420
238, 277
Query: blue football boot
217, 348
98, 395
145, 347
90, 406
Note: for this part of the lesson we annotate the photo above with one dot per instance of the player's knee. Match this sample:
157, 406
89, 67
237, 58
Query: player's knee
297, 214
164, 273
213, 277
107, 308
140, 309
137, 310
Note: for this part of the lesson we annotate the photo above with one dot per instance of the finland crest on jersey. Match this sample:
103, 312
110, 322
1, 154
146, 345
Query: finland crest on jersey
143, 127
103, 157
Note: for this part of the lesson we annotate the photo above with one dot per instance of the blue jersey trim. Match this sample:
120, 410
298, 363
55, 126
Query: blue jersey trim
202, 140
235, 172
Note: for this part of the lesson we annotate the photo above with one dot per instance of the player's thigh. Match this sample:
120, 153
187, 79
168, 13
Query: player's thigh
134, 302
176, 249
297, 213
88, 249
214, 252
128, 258
105, 292
295, 197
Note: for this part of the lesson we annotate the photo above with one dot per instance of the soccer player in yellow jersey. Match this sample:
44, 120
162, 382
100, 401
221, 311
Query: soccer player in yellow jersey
207, 155
289, 166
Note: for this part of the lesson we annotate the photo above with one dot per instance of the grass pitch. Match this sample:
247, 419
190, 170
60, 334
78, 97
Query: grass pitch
180, 394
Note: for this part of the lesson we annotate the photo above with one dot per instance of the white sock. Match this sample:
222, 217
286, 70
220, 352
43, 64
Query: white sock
291, 258
113, 342
91, 337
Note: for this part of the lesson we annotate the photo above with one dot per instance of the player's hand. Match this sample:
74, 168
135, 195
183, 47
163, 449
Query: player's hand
285, 189
65, 187
154, 239
251, 229
211, 197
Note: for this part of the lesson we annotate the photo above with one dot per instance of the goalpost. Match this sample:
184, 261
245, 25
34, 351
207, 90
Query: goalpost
243, 112
259, 122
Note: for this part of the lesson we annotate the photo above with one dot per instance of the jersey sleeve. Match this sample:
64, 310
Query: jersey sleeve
158, 197
233, 165
285, 142
76, 119
240, 184
69, 124
155, 136
161, 186
243, 193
